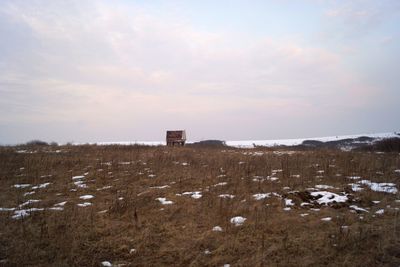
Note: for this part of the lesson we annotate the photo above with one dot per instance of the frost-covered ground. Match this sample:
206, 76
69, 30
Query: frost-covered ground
152, 206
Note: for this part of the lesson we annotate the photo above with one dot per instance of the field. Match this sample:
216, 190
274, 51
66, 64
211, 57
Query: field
195, 206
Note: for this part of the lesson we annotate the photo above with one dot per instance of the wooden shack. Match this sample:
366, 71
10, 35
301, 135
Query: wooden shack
177, 137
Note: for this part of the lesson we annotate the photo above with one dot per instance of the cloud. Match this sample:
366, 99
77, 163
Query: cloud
357, 18
120, 65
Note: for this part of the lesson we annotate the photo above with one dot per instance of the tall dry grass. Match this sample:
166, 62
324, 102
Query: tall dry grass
179, 234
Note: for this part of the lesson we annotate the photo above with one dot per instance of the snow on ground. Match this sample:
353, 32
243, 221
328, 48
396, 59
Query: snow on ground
39, 186
80, 184
356, 208
323, 186
380, 187
84, 204
354, 177
252, 143
380, 212
57, 208
326, 197
226, 196
7, 209
164, 201
217, 229
124, 162
29, 202
320, 196
104, 188
21, 185
195, 194
220, 184
258, 178
78, 181
238, 220
159, 187
289, 202
293, 142
84, 197
19, 214
261, 196
126, 143
356, 187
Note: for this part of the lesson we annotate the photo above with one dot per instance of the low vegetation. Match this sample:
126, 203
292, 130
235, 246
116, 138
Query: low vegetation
197, 206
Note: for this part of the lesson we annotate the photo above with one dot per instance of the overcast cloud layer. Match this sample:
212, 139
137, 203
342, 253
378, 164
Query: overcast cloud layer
89, 71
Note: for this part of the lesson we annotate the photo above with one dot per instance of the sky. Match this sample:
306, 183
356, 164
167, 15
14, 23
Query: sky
89, 71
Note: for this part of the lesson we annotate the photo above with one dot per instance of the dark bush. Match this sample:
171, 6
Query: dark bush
388, 145
207, 143
37, 143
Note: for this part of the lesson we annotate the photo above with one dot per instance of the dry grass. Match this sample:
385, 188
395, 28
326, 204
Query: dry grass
179, 234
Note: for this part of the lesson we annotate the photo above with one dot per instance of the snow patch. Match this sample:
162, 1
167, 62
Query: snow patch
356, 208
21, 185
380, 187
356, 187
84, 197
326, 197
29, 193
289, 202
104, 188
61, 204
380, 212
220, 184
84, 204
29, 202
195, 195
19, 214
7, 209
238, 220
353, 177
226, 196
159, 187
56, 208
217, 229
164, 201
323, 186
40, 186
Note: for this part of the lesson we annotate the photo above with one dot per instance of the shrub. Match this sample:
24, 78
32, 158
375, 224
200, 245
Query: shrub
37, 143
